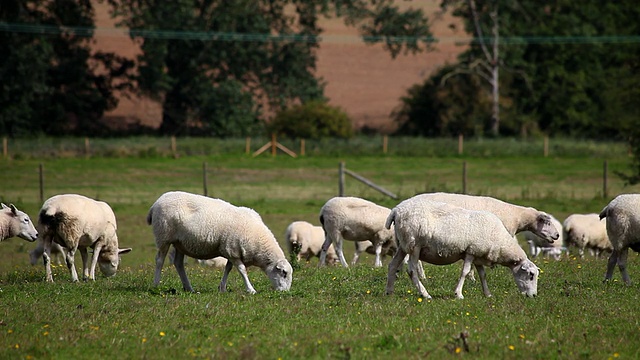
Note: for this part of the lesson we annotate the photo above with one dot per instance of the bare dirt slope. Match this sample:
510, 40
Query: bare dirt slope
362, 79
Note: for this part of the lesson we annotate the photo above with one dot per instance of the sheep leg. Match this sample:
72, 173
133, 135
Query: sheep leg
243, 271
85, 267
466, 268
178, 262
323, 252
225, 275
611, 264
94, 261
378, 249
414, 258
394, 266
160, 256
46, 258
483, 280
622, 265
70, 258
356, 255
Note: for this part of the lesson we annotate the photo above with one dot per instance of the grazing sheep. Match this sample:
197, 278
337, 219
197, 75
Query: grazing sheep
443, 234
56, 251
623, 229
538, 245
388, 248
217, 262
353, 219
76, 222
586, 231
309, 240
14, 222
204, 228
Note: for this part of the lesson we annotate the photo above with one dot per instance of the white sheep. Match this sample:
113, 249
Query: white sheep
14, 222
217, 262
56, 251
308, 239
388, 248
354, 219
623, 229
443, 234
204, 228
537, 245
76, 223
515, 218
586, 231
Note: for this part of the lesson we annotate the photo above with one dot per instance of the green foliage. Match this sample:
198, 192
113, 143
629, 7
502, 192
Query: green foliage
312, 120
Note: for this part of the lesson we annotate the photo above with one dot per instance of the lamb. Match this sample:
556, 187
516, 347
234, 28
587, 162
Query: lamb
442, 234
309, 239
515, 218
623, 229
203, 228
76, 222
538, 245
354, 219
388, 248
586, 231
14, 222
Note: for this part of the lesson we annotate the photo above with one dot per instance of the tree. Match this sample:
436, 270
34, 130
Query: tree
261, 54
52, 83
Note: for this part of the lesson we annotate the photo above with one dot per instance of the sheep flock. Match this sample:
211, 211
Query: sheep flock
432, 228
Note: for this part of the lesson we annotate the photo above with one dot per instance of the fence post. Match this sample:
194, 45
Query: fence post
546, 145
273, 144
464, 177
41, 177
5, 148
604, 180
302, 147
204, 178
341, 179
247, 145
87, 147
174, 147
385, 143
460, 144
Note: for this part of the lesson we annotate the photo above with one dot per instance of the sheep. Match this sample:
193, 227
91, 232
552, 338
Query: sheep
354, 219
623, 229
388, 248
14, 222
216, 262
204, 228
538, 245
514, 217
308, 239
76, 222
56, 251
586, 231
442, 234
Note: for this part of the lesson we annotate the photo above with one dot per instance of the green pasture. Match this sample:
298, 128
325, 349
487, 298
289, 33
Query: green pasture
329, 312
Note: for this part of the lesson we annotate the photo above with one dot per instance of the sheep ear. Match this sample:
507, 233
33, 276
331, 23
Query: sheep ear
4, 206
13, 209
124, 251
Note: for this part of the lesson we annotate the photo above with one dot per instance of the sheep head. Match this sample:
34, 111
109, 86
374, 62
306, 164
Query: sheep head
109, 260
526, 275
22, 225
280, 274
545, 229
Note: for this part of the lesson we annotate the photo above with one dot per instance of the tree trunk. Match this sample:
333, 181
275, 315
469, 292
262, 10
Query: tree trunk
495, 84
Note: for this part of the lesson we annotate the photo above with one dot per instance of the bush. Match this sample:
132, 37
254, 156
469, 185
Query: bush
313, 120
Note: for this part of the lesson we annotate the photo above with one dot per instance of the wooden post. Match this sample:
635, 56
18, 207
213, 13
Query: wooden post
460, 144
341, 179
385, 143
604, 180
204, 178
87, 148
273, 144
546, 145
302, 147
464, 177
41, 177
247, 145
174, 147
5, 148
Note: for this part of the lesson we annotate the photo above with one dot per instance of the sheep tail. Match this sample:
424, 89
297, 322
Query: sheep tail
390, 219
322, 220
603, 213
149, 217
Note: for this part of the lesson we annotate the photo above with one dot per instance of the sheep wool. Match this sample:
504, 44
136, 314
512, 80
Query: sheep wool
14, 222
309, 239
586, 231
623, 229
442, 234
204, 228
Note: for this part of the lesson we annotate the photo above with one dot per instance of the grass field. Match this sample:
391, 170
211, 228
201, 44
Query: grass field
329, 312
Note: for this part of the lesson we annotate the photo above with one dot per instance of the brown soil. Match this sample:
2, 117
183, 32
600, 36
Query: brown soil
362, 79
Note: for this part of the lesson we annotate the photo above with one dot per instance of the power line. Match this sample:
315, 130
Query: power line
328, 38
